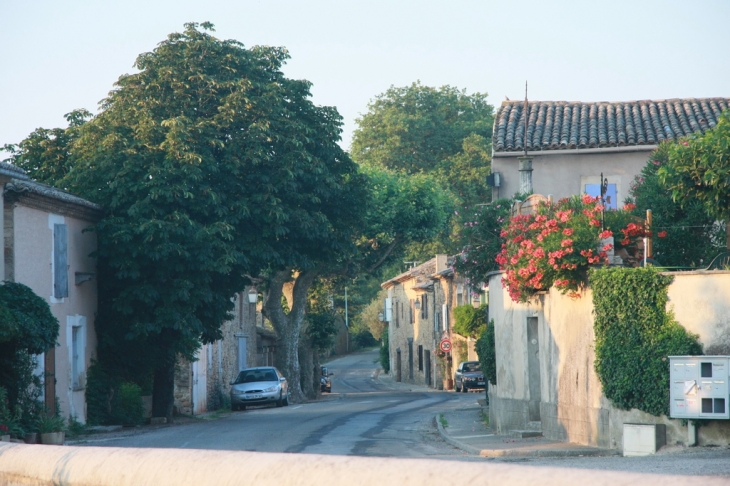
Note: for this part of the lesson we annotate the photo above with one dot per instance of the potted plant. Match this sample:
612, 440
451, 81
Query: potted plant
52, 429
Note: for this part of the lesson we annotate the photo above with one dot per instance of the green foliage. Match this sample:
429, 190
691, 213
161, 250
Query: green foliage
45, 155
684, 234
479, 231
485, 349
385, 353
370, 316
423, 129
10, 416
51, 423
127, 407
634, 337
470, 321
461, 351
698, 169
27, 328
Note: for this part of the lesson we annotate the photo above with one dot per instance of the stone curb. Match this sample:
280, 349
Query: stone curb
566, 452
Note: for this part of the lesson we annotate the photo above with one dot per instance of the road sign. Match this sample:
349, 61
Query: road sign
445, 345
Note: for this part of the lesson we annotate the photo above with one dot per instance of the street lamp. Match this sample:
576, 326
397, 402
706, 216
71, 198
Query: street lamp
418, 304
253, 297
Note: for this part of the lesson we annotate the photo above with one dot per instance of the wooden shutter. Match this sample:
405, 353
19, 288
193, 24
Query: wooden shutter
60, 261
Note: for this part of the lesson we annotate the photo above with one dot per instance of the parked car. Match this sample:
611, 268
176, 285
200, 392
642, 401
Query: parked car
325, 384
259, 386
469, 376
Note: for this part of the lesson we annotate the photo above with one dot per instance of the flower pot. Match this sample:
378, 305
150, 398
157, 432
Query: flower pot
53, 438
31, 438
4, 438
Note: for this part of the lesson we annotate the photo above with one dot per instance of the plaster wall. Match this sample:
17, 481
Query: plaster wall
33, 256
564, 174
572, 405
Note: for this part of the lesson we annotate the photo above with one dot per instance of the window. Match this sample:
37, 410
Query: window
75, 345
420, 357
611, 194
424, 306
76, 341
396, 314
410, 310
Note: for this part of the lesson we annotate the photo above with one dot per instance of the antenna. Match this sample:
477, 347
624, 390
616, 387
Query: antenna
524, 142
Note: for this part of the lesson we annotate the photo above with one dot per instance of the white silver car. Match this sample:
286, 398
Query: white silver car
259, 386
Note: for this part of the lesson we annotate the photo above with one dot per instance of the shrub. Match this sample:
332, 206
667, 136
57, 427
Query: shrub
127, 407
470, 321
556, 244
634, 337
487, 355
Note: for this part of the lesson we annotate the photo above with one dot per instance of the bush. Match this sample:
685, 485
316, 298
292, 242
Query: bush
634, 337
487, 355
127, 407
470, 321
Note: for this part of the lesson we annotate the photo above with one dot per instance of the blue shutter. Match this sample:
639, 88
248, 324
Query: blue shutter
60, 261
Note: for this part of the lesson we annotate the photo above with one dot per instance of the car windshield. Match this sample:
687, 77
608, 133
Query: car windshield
251, 376
469, 367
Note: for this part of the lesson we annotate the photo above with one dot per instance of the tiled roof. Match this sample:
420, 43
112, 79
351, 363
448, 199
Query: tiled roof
556, 125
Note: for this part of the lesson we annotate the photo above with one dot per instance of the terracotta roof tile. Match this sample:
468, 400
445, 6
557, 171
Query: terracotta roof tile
562, 125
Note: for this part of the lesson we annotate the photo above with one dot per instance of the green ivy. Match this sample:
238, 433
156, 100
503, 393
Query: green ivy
634, 337
487, 355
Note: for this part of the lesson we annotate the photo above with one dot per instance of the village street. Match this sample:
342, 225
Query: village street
365, 416
362, 416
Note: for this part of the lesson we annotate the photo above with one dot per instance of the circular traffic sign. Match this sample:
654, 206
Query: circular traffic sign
445, 345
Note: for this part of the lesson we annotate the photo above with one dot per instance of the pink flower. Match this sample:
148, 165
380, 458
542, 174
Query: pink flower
568, 231
605, 234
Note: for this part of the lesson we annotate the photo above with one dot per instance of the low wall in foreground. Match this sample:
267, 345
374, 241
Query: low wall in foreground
40, 465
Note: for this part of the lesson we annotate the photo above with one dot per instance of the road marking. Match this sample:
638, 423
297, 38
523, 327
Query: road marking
473, 436
366, 401
298, 406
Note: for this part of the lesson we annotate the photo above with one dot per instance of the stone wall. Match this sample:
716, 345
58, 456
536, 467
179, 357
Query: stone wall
549, 376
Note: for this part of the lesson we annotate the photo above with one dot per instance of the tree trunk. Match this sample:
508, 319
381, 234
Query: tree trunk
307, 372
163, 390
289, 325
727, 234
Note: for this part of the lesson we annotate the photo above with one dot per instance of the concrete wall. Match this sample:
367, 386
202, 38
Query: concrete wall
25, 465
571, 403
32, 239
564, 173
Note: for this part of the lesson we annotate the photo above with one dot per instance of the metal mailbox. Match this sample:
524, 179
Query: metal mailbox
698, 387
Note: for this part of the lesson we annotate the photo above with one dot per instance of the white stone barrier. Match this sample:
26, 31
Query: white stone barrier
39, 465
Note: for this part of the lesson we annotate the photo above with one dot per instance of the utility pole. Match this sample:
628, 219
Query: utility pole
347, 340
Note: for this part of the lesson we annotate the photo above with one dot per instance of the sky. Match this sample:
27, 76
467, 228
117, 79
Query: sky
59, 56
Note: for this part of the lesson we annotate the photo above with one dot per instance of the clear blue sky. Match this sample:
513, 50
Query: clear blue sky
60, 55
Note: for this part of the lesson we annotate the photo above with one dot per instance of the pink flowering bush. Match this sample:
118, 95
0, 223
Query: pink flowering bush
555, 246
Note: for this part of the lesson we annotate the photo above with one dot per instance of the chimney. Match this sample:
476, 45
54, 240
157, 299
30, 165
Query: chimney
441, 263
525, 168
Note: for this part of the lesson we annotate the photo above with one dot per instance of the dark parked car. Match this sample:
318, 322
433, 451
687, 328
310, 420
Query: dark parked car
259, 386
469, 376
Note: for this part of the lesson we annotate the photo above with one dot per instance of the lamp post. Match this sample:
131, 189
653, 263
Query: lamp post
253, 297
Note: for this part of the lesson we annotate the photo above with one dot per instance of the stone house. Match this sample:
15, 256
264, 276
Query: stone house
570, 144
419, 313
47, 248
203, 385
545, 362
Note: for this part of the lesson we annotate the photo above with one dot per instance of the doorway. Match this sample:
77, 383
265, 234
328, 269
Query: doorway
533, 369
397, 365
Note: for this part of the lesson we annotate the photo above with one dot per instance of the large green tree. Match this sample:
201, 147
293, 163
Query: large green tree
698, 169
210, 165
443, 131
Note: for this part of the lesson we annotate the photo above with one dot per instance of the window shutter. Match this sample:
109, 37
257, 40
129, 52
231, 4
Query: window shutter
60, 261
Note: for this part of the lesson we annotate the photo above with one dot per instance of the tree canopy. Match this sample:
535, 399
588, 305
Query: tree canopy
210, 165
698, 169
420, 129
683, 234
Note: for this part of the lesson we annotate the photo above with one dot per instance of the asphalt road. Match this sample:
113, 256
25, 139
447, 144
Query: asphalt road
365, 416
362, 416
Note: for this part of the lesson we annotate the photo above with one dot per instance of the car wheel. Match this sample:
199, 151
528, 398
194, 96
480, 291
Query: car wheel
463, 388
235, 407
457, 389
280, 401
242, 407
286, 400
